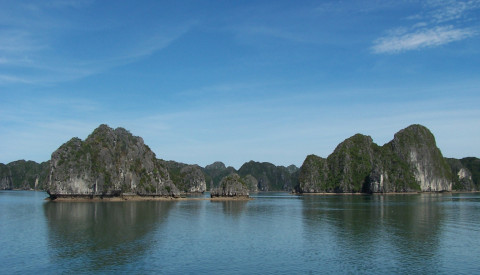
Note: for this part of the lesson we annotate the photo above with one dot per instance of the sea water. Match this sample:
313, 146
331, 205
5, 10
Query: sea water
276, 233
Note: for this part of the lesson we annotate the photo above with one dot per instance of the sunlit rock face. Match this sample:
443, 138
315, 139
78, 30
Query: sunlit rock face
109, 162
411, 162
416, 145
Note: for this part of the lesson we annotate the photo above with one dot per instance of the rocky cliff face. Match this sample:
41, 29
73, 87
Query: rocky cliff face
351, 163
461, 176
416, 145
25, 175
251, 182
269, 176
5, 179
410, 162
109, 162
473, 165
215, 172
188, 178
260, 176
465, 173
313, 176
231, 186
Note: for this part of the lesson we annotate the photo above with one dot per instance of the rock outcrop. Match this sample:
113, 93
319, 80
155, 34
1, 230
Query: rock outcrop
410, 162
215, 172
113, 162
269, 176
231, 186
251, 182
351, 163
24, 175
188, 178
465, 173
110, 162
416, 145
260, 176
314, 176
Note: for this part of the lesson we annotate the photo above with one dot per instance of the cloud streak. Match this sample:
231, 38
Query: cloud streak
439, 25
422, 38
33, 52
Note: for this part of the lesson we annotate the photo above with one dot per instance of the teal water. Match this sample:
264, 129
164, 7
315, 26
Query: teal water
275, 233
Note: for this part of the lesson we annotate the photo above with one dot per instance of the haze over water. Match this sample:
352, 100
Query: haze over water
275, 233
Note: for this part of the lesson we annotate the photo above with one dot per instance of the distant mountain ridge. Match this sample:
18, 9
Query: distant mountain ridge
113, 161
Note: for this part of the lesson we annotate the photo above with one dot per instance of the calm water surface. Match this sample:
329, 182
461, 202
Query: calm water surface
275, 233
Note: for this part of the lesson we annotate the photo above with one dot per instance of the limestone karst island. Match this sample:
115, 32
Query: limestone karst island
113, 163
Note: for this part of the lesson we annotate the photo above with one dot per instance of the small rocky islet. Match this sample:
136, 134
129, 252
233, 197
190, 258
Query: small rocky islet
113, 163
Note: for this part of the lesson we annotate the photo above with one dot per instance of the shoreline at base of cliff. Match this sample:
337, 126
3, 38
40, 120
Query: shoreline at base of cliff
387, 193
140, 198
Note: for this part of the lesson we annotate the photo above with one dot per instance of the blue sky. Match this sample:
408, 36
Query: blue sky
235, 81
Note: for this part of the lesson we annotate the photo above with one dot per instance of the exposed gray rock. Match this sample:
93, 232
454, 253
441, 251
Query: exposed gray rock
462, 176
108, 163
188, 178
269, 176
416, 145
194, 179
251, 182
218, 165
24, 175
410, 162
215, 172
313, 176
231, 186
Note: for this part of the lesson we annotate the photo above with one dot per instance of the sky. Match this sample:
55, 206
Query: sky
234, 81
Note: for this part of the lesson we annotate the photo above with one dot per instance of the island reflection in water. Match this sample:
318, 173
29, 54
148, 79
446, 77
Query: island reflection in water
92, 236
406, 227
274, 233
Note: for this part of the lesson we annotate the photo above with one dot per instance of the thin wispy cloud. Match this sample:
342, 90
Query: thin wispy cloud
451, 10
439, 24
13, 79
18, 41
265, 80
421, 38
257, 31
33, 53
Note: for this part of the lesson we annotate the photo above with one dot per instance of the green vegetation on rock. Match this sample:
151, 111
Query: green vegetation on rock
465, 173
24, 175
112, 162
473, 165
108, 163
215, 172
410, 162
188, 178
231, 186
269, 176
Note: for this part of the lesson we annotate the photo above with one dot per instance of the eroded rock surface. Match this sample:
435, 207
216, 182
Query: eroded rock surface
231, 186
411, 162
109, 162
